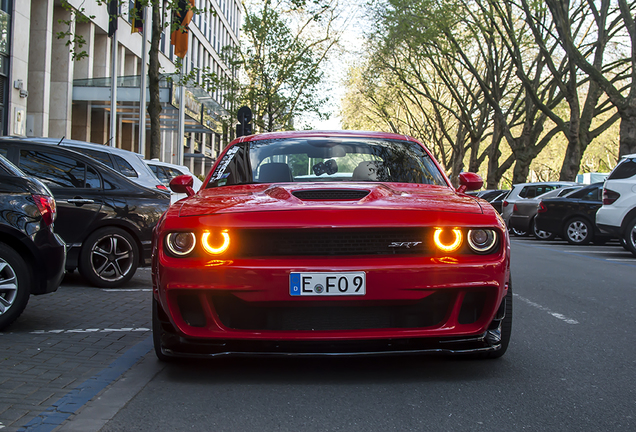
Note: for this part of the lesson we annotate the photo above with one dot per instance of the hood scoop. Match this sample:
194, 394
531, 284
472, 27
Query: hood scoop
331, 194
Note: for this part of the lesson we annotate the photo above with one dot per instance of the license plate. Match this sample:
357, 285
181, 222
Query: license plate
327, 284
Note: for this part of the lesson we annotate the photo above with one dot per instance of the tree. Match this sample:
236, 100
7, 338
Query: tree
605, 17
284, 45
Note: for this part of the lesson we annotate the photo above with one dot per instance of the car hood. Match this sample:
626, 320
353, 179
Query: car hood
294, 196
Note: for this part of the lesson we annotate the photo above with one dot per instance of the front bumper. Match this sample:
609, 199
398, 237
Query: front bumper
174, 346
412, 305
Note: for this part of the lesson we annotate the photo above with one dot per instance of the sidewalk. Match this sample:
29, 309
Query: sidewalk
63, 339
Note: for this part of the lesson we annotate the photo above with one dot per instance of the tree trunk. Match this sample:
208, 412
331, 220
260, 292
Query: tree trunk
628, 131
154, 104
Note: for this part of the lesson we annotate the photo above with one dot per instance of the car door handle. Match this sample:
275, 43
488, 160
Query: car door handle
80, 201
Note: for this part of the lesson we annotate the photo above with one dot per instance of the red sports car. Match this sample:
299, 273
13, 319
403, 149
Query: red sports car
312, 243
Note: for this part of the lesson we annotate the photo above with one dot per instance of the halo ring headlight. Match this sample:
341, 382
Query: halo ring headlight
448, 246
482, 241
215, 250
180, 243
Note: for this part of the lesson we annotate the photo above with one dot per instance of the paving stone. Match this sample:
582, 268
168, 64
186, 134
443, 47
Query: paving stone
41, 368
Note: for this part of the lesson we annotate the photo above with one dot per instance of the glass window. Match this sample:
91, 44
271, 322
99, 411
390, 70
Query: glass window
527, 192
172, 173
592, 194
97, 155
54, 169
326, 159
625, 169
124, 167
92, 178
162, 175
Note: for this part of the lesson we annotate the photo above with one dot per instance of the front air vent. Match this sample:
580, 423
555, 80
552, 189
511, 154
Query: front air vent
331, 194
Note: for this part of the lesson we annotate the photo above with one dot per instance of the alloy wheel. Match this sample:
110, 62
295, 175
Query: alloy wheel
8, 286
577, 231
112, 257
542, 235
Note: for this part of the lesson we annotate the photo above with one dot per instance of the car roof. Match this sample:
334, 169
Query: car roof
567, 183
84, 158
325, 134
167, 164
66, 141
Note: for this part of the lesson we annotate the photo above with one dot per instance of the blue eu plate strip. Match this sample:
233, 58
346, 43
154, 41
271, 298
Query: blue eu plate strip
294, 284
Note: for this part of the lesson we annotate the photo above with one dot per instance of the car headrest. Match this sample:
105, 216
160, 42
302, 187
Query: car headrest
365, 171
275, 173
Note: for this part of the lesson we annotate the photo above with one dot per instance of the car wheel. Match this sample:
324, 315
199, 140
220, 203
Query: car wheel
518, 232
503, 327
578, 231
630, 237
540, 234
15, 285
623, 243
109, 257
158, 331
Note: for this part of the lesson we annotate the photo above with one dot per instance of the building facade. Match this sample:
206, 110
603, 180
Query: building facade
46, 89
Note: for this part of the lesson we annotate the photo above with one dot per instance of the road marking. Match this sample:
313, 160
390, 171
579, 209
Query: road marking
621, 259
578, 252
545, 309
93, 330
127, 289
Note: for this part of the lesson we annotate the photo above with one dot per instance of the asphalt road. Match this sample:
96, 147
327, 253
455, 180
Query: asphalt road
80, 358
571, 366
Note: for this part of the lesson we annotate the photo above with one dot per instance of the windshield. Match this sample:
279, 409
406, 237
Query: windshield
326, 159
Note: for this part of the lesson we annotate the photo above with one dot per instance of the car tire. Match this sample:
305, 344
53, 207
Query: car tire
578, 231
158, 332
630, 237
15, 285
540, 234
518, 232
623, 243
109, 257
506, 327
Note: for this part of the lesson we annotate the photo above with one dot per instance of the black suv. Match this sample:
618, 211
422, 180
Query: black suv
105, 219
32, 256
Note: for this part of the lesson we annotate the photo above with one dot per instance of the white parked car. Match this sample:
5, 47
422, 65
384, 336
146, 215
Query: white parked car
618, 214
167, 171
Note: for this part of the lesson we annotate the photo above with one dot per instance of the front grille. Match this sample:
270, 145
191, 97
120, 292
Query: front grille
237, 314
331, 194
332, 242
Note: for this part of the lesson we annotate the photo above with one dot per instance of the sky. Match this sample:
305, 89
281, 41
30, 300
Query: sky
336, 68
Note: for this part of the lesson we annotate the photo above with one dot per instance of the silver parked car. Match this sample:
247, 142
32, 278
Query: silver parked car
523, 191
129, 164
524, 211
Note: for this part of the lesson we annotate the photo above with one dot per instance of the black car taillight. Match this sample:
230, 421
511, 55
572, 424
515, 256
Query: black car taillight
541, 207
609, 196
46, 205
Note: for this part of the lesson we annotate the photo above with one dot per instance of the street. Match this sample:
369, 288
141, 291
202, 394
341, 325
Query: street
570, 365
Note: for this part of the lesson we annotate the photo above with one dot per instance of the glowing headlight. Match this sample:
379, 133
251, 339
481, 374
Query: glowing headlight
450, 244
482, 241
180, 243
215, 249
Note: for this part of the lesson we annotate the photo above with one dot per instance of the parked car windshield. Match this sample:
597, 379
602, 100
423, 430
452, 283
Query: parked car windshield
326, 159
